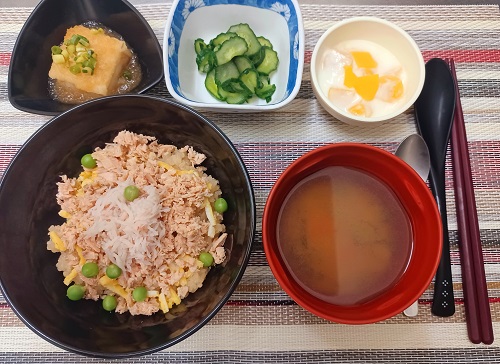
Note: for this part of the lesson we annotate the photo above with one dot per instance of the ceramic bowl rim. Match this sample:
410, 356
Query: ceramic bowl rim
361, 120
268, 231
232, 107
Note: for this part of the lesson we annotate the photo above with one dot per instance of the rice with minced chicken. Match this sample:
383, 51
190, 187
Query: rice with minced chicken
155, 239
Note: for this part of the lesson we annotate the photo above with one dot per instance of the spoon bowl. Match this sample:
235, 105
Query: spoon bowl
415, 153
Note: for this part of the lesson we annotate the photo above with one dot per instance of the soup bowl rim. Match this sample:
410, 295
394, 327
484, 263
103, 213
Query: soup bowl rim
303, 167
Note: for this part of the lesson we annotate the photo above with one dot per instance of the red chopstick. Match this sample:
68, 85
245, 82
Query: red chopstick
478, 315
471, 309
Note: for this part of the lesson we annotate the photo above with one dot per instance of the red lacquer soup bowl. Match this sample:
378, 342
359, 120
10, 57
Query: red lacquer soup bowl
415, 199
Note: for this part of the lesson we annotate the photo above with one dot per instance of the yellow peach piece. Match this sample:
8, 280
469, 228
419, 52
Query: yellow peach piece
391, 88
364, 59
349, 77
367, 86
360, 109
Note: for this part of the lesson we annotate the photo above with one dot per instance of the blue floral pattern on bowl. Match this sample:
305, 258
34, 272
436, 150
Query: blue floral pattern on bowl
185, 8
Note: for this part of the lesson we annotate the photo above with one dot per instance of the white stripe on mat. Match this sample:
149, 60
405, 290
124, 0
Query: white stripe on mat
420, 24
311, 124
290, 338
323, 128
477, 74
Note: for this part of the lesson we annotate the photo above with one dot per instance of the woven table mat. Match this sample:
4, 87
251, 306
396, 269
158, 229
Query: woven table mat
260, 323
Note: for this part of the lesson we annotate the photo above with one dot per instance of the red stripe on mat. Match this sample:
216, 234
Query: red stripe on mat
4, 58
458, 55
467, 55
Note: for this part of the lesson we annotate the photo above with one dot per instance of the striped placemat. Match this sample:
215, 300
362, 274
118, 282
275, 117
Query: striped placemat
261, 323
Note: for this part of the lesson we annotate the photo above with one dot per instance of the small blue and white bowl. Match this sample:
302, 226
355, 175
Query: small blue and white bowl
280, 21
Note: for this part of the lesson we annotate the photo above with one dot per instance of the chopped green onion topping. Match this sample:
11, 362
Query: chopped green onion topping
73, 40
89, 63
84, 41
75, 69
81, 58
56, 50
71, 48
58, 58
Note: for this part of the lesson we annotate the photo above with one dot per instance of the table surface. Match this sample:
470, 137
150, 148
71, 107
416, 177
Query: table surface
260, 323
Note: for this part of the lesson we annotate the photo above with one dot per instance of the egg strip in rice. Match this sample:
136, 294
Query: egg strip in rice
155, 239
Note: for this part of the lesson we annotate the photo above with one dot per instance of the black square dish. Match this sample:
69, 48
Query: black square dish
46, 26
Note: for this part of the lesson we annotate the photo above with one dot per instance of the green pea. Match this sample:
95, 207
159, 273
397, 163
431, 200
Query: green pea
206, 258
131, 193
220, 205
88, 161
75, 292
90, 269
139, 293
113, 271
109, 303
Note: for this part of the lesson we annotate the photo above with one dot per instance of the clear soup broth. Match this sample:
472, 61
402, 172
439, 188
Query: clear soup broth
344, 235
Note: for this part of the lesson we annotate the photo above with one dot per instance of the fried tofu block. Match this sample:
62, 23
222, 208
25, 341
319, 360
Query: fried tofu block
112, 58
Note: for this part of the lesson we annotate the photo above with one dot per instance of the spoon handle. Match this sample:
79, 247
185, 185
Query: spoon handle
443, 303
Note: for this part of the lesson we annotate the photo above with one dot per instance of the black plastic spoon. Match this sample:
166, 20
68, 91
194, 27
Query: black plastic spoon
434, 115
